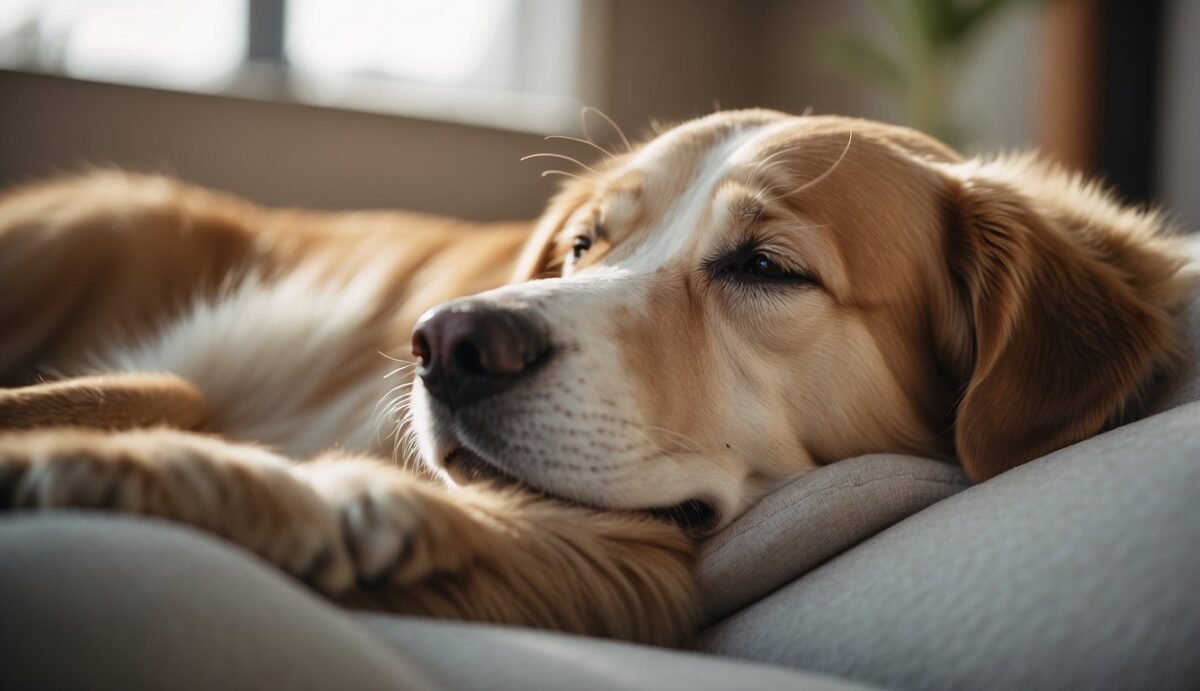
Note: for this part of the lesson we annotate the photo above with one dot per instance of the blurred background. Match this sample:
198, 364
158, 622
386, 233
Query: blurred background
410, 103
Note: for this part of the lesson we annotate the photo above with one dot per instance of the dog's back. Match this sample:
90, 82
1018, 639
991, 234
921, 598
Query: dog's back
283, 320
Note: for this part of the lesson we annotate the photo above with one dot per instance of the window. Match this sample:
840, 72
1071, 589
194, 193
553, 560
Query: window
185, 45
517, 64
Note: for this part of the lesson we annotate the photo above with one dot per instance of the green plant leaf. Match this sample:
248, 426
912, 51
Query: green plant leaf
968, 18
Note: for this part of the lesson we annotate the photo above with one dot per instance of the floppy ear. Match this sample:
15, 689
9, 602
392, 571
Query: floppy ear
1059, 312
539, 258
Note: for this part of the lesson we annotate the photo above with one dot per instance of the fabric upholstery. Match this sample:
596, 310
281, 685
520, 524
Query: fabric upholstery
105, 602
1077, 570
465, 656
1184, 386
94, 601
815, 517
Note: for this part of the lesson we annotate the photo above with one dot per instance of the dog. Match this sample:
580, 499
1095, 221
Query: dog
692, 322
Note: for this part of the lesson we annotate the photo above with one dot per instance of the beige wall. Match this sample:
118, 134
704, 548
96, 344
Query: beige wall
277, 153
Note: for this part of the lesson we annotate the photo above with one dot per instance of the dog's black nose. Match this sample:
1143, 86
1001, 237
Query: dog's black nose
468, 350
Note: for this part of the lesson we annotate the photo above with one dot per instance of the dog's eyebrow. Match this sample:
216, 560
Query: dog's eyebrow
747, 207
628, 183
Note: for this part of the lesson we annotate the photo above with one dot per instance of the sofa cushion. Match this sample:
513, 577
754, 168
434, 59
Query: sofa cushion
815, 517
475, 656
1184, 386
1077, 570
99, 601
96, 601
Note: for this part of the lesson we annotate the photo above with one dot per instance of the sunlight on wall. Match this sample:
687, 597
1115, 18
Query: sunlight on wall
432, 42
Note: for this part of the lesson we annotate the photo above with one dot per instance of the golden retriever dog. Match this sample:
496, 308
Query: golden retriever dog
692, 322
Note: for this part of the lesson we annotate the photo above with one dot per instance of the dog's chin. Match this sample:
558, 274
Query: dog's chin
464, 466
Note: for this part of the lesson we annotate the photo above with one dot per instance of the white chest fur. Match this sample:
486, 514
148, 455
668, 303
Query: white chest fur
290, 363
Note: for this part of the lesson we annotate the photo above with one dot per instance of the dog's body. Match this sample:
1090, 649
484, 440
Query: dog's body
743, 298
282, 319
280, 328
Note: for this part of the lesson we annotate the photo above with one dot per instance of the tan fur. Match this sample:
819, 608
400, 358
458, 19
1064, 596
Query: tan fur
112, 255
986, 311
989, 311
121, 401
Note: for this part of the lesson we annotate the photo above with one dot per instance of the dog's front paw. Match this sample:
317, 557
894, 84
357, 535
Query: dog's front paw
381, 528
241, 493
396, 529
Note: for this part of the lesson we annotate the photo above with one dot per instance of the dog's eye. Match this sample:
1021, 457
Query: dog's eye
763, 266
583, 243
758, 267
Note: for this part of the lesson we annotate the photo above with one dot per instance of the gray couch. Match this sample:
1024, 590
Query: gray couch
1080, 570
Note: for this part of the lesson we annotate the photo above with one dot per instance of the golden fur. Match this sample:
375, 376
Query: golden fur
912, 301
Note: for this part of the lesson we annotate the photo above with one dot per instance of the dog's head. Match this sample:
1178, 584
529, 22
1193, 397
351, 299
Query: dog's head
750, 295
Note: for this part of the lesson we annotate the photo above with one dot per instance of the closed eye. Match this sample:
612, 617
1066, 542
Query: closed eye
754, 265
582, 244
584, 241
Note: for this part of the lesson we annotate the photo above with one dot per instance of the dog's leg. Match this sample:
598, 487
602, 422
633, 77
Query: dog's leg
111, 401
240, 492
373, 536
508, 557
108, 255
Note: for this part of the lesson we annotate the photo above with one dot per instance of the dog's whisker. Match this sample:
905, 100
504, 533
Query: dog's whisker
560, 172
563, 157
830, 169
683, 440
611, 123
396, 359
581, 140
758, 169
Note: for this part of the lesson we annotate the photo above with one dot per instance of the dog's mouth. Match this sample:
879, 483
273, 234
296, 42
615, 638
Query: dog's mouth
696, 516
466, 466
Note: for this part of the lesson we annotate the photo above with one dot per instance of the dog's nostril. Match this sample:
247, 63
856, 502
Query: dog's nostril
469, 350
420, 350
468, 359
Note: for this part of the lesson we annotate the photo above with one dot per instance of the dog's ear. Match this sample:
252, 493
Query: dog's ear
543, 254
1056, 329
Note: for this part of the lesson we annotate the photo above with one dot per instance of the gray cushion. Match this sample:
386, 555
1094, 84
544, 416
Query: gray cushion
1077, 570
105, 602
821, 514
1184, 386
466, 656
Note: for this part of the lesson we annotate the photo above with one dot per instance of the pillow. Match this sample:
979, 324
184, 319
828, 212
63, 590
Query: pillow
813, 518
1185, 386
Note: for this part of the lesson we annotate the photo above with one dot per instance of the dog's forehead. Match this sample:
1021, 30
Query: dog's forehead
668, 190
685, 153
